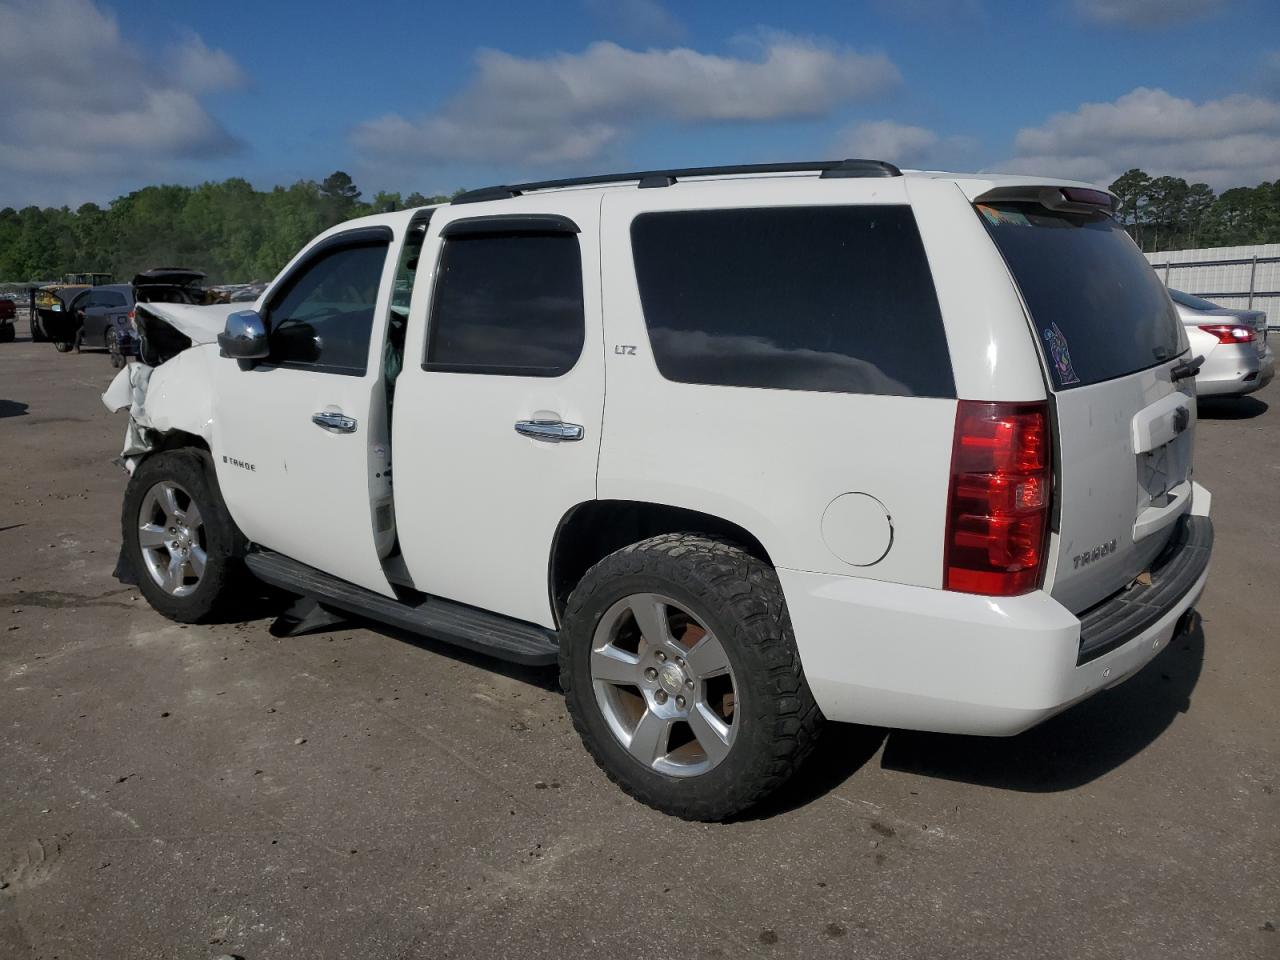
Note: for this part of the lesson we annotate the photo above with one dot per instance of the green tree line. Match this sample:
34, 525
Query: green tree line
236, 233
1167, 213
229, 230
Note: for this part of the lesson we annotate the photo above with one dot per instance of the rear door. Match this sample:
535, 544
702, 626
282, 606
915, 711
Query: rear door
496, 428
1111, 344
101, 315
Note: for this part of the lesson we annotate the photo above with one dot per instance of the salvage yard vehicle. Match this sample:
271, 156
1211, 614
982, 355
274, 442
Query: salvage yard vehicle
742, 449
1237, 358
101, 316
8, 319
51, 315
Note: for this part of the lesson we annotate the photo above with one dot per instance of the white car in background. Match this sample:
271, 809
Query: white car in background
1237, 357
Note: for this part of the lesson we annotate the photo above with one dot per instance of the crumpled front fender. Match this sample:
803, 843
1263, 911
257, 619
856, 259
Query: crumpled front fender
177, 395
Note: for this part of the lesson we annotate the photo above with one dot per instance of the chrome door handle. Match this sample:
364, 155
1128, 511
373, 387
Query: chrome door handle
549, 431
334, 422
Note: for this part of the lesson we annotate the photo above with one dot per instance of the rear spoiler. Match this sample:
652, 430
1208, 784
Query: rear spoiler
1066, 199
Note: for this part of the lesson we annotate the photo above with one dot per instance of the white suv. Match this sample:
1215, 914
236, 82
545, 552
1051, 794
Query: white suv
742, 448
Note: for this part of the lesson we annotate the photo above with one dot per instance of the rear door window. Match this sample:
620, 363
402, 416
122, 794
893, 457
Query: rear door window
831, 298
508, 305
1099, 310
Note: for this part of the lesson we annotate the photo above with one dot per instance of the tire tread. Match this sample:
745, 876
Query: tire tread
746, 592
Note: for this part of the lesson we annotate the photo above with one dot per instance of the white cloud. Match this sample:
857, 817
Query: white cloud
83, 108
904, 145
1147, 13
1233, 141
197, 68
571, 106
645, 21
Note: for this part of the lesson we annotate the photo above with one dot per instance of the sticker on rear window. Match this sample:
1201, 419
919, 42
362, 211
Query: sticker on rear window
997, 217
1060, 355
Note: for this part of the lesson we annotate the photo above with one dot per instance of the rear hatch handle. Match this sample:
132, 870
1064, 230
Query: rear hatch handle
1186, 368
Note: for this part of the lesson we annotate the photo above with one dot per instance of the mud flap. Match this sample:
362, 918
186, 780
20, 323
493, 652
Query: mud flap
305, 616
124, 571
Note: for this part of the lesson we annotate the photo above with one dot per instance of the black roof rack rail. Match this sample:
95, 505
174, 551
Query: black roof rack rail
665, 178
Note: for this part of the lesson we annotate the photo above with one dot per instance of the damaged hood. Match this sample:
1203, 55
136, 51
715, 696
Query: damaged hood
201, 324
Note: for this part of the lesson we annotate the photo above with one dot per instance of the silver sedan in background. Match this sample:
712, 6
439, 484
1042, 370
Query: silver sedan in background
1237, 357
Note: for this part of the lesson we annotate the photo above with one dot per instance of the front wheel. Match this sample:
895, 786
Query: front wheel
181, 543
682, 677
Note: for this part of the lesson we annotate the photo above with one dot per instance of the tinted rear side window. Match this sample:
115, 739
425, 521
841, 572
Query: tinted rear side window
836, 299
508, 305
1099, 309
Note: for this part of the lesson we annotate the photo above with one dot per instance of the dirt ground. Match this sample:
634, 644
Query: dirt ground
178, 792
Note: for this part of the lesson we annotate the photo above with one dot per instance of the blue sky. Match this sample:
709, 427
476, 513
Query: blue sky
97, 98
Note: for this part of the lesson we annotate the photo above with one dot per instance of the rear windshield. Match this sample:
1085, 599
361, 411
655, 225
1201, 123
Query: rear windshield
1099, 309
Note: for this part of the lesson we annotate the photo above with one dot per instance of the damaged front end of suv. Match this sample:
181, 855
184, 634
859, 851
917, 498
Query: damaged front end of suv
166, 390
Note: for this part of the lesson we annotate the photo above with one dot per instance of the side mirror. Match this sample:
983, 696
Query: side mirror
244, 337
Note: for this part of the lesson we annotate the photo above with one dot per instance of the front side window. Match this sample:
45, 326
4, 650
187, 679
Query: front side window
508, 304
323, 319
832, 298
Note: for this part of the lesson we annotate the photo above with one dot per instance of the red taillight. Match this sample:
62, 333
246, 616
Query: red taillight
1229, 332
998, 509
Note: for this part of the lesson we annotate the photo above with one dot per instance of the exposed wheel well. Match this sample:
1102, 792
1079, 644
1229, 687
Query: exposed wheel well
176, 439
591, 531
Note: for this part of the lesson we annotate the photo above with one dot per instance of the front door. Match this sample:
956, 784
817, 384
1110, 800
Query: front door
300, 439
498, 410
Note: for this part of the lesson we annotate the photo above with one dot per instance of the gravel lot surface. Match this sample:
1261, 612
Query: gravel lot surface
178, 792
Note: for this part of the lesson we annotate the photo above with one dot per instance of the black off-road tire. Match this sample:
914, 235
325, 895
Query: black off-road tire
738, 597
8, 332
220, 587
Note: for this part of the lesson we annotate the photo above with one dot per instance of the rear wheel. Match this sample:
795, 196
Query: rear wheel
7, 332
681, 675
184, 549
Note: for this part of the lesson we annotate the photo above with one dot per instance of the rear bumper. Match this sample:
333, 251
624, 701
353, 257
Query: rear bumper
1234, 370
911, 657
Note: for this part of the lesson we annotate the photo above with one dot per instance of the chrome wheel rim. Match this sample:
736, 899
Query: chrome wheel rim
171, 535
663, 682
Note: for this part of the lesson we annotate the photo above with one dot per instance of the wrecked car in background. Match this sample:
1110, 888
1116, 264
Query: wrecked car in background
8, 314
51, 317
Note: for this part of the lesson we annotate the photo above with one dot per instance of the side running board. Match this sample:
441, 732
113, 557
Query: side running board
456, 623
